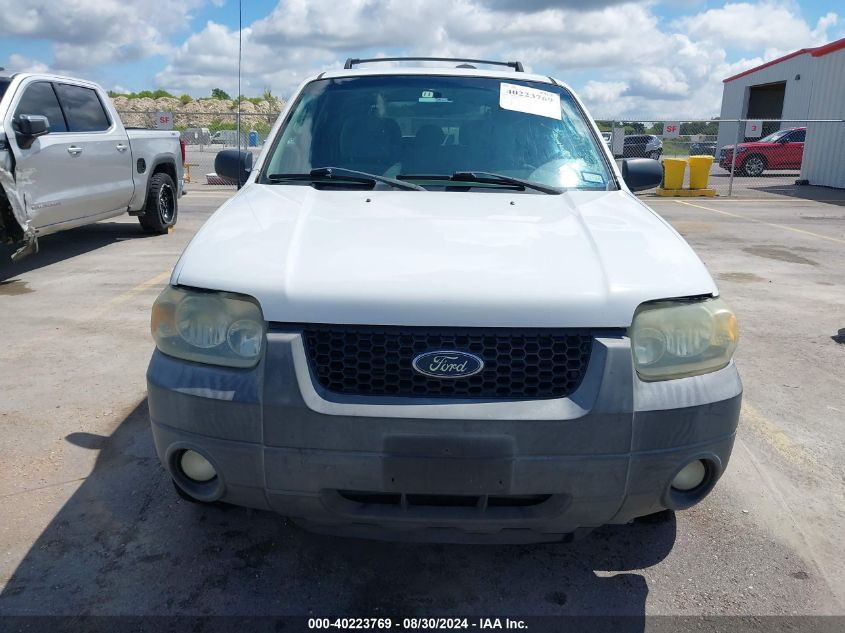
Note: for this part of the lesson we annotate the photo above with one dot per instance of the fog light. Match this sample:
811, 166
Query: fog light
196, 467
690, 476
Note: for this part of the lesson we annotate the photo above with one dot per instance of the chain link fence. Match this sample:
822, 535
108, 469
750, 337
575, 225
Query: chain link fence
769, 158
205, 133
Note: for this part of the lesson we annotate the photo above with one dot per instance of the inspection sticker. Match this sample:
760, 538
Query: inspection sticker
529, 100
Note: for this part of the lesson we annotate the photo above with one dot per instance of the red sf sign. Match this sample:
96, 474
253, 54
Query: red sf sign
163, 121
672, 128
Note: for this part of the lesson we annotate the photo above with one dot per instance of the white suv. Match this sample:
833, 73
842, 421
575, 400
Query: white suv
435, 311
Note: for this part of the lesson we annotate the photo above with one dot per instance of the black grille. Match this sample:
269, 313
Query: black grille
518, 364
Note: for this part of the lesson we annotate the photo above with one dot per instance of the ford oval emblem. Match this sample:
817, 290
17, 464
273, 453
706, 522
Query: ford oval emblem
448, 364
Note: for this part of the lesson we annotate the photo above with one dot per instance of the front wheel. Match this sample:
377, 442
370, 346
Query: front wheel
654, 155
162, 206
754, 166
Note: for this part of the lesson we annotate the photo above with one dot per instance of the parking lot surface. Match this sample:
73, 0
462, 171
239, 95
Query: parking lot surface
92, 526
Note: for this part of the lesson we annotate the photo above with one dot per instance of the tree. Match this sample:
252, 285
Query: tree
634, 127
218, 93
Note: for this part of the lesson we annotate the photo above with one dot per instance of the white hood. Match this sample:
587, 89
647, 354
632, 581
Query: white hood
472, 259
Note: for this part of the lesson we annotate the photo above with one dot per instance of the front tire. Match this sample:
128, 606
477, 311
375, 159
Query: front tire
162, 206
754, 166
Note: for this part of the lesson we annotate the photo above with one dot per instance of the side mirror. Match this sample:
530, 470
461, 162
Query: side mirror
641, 173
29, 127
234, 166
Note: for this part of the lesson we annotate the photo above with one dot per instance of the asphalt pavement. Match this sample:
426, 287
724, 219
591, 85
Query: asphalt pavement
91, 525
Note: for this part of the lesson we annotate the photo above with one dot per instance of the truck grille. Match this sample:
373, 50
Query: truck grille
518, 364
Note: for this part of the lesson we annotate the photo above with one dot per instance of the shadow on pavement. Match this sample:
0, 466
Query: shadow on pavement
67, 244
827, 195
125, 544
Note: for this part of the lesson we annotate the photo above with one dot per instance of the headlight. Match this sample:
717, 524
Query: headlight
674, 339
218, 328
740, 150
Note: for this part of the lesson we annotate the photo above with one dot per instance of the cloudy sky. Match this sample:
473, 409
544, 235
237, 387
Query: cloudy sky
626, 59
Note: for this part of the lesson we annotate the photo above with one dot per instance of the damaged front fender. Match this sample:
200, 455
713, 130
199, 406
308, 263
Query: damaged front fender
15, 225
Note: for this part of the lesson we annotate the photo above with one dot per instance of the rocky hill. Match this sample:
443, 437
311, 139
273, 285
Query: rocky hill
139, 112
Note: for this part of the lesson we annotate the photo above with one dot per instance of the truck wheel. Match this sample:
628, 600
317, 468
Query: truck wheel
162, 207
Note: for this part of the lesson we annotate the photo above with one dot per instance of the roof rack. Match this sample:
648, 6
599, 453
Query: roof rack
517, 66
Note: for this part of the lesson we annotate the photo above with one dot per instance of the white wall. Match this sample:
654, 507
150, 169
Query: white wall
824, 149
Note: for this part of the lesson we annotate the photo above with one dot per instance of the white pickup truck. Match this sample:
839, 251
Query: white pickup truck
66, 160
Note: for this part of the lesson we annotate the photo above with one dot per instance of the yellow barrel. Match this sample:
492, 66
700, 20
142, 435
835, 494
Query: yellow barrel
699, 171
673, 172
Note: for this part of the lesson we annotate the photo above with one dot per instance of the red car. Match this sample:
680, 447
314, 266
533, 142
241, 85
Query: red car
783, 149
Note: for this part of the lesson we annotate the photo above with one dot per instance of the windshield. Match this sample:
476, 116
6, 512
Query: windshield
402, 126
774, 136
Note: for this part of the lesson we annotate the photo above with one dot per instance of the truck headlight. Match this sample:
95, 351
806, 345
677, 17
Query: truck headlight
675, 339
218, 328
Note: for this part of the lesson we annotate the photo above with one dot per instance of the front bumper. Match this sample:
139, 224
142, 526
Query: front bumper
450, 470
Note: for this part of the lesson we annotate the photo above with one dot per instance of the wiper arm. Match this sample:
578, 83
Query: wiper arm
345, 174
486, 176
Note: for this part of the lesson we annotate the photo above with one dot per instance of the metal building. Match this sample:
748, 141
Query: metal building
805, 85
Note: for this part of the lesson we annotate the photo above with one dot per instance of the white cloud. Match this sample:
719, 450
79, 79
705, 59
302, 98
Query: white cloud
752, 26
19, 63
631, 63
89, 33
640, 69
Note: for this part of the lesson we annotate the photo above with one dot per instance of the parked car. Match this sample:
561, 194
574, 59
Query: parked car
228, 137
197, 136
642, 145
783, 149
702, 148
66, 160
436, 311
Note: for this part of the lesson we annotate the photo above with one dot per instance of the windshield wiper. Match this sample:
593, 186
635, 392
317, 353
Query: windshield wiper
340, 173
485, 177
490, 177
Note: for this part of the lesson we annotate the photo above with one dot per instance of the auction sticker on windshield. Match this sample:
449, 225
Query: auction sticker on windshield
529, 100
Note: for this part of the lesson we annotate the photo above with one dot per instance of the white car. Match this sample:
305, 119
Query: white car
436, 311
66, 160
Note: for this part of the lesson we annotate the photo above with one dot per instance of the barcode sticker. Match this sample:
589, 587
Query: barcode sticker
529, 100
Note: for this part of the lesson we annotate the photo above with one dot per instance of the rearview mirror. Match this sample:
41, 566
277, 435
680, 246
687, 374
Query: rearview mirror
642, 173
233, 166
29, 127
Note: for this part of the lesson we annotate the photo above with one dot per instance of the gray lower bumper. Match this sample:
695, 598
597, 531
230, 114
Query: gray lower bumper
448, 471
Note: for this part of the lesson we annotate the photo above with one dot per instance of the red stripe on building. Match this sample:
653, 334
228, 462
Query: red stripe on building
818, 51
